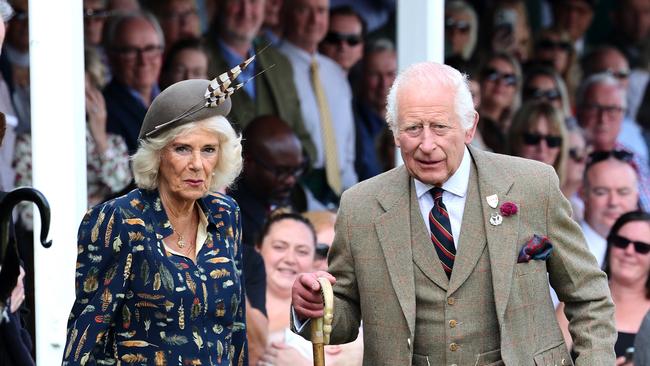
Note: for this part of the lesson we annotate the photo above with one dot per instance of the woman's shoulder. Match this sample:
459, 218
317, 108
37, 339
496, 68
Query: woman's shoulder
220, 202
129, 204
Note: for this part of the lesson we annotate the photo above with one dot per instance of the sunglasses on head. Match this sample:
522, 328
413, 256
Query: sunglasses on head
576, 155
494, 75
459, 25
535, 139
622, 155
534, 93
336, 38
622, 243
321, 250
548, 44
619, 74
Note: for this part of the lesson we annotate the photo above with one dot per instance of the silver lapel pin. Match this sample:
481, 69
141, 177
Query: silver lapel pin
496, 219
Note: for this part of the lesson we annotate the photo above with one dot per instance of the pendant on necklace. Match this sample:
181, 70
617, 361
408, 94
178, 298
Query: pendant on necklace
180, 242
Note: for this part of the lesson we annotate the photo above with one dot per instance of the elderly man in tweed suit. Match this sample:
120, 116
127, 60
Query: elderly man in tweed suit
447, 258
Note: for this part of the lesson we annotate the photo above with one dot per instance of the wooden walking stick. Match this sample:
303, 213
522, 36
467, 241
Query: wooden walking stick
322, 327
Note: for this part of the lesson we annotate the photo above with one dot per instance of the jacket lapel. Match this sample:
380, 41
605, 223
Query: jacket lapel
472, 235
501, 239
394, 233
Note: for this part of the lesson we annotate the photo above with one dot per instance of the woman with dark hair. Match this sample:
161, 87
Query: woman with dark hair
627, 264
186, 59
500, 81
553, 47
544, 83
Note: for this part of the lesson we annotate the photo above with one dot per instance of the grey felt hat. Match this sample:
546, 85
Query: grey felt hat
180, 103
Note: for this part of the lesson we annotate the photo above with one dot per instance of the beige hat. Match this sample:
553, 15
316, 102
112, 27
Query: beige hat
180, 103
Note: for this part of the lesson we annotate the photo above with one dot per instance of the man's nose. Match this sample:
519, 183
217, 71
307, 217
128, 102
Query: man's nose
428, 142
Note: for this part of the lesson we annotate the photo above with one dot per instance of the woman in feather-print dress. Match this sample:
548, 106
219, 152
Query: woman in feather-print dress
159, 277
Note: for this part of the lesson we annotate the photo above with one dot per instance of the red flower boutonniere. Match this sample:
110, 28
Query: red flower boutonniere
508, 209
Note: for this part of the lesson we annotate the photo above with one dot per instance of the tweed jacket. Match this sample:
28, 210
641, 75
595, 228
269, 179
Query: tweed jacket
276, 94
374, 261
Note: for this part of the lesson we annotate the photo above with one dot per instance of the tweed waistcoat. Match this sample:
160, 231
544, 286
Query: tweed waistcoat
451, 327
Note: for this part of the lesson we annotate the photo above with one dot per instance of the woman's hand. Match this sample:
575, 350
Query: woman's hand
18, 293
96, 112
279, 353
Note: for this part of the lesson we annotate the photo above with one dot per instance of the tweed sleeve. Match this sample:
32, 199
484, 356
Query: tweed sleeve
579, 283
101, 279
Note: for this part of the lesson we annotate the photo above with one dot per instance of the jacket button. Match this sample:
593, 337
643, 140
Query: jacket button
451, 301
453, 347
453, 323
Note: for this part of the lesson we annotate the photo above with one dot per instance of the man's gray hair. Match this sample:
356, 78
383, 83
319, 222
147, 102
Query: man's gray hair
433, 74
603, 78
146, 161
117, 20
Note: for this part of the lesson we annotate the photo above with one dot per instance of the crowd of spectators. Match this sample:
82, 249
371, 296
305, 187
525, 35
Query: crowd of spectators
565, 82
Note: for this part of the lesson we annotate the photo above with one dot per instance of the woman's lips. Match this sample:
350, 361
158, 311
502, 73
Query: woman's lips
194, 182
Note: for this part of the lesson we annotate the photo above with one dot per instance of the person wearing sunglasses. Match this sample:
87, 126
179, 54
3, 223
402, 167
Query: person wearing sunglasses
538, 133
609, 60
461, 30
344, 40
553, 47
500, 80
601, 106
544, 83
627, 264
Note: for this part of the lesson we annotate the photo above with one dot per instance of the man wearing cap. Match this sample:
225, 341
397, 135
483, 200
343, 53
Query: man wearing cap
447, 258
231, 39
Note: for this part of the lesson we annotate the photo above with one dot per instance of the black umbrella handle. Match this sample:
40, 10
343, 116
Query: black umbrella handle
9, 259
7, 205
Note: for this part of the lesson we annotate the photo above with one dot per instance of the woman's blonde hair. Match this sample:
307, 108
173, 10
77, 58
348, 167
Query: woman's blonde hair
146, 161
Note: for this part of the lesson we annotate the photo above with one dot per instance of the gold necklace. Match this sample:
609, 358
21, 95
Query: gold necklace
180, 242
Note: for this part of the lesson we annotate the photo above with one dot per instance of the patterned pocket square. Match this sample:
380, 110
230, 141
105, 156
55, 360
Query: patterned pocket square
538, 247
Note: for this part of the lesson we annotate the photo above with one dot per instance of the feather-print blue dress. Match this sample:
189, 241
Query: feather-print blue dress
138, 304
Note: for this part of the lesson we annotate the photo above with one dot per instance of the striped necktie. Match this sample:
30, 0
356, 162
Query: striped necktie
327, 129
440, 227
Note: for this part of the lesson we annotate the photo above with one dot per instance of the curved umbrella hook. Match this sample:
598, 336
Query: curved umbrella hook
7, 205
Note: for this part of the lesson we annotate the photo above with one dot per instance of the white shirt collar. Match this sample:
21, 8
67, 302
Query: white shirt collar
456, 184
298, 52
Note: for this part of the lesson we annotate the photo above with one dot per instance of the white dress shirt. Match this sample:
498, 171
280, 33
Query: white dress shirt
453, 197
596, 243
339, 99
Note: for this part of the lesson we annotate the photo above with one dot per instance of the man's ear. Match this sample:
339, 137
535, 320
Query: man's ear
469, 133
